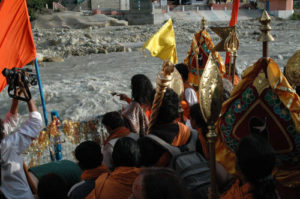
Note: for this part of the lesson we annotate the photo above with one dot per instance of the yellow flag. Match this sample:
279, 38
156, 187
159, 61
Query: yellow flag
162, 44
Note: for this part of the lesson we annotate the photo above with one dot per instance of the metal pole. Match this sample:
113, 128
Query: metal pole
43, 103
41, 91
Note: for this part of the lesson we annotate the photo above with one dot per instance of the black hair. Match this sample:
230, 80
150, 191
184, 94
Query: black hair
126, 153
150, 151
196, 115
256, 160
1, 130
141, 89
168, 111
89, 155
162, 183
298, 90
52, 186
113, 120
183, 70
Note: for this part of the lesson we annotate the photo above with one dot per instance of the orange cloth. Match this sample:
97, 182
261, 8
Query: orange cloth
287, 96
147, 110
204, 144
93, 174
119, 132
238, 192
16, 42
116, 185
182, 136
186, 109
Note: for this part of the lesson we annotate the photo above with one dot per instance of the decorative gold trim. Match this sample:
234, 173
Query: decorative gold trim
261, 82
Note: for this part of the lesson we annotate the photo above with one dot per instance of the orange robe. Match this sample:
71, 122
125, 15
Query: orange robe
238, 192
118, 133
114, 185
93, 174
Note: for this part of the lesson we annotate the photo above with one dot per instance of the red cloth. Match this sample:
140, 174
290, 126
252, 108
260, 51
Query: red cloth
16, 42
233, 20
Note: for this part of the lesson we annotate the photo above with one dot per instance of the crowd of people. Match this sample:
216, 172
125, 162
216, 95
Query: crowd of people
135, 163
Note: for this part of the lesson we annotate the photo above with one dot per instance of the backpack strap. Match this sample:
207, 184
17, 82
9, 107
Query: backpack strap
191, 144
171, 149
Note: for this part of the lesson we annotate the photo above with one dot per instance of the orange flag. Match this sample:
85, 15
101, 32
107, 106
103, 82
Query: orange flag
16, 42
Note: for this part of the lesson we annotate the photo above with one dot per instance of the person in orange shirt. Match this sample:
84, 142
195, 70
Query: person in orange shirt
138, 112
117, 184
89, 158
115, 126
255, 162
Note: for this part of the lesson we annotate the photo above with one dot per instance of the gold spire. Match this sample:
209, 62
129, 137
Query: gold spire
203, 23
265, 28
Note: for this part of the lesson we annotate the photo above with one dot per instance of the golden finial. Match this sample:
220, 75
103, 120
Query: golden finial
265, 28
203, 23
265, 36
231, 45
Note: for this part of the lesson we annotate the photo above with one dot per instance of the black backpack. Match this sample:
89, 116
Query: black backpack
190, 165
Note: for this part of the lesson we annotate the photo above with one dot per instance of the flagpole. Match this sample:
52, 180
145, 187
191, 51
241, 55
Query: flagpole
41, 90
43, 102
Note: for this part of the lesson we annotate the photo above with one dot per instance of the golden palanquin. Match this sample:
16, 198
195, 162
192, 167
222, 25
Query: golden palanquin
263, 94
198, 54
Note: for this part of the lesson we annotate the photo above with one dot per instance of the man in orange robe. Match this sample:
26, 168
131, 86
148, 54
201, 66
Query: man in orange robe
89, 155
118, 183
115, 126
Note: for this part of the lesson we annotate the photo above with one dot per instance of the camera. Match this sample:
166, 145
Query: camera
12, 78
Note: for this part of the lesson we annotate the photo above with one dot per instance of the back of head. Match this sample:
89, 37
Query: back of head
52, 186
183, 70
141, 89
168, 111
150, 151
161, 183
89, 155
196, 115
256, 160
113, 120
126, 153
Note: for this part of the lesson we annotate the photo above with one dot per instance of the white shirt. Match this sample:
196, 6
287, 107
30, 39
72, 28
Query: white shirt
190, 96
14, 182
109, 147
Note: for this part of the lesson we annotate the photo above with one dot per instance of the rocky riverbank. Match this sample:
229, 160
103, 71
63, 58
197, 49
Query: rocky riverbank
78, 39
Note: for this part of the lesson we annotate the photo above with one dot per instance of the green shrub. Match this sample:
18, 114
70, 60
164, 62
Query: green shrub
295, 17
36, 6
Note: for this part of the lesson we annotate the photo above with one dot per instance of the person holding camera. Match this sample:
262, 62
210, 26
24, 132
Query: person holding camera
13, 143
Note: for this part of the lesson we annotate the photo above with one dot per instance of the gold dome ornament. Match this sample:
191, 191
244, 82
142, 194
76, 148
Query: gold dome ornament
292, 69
